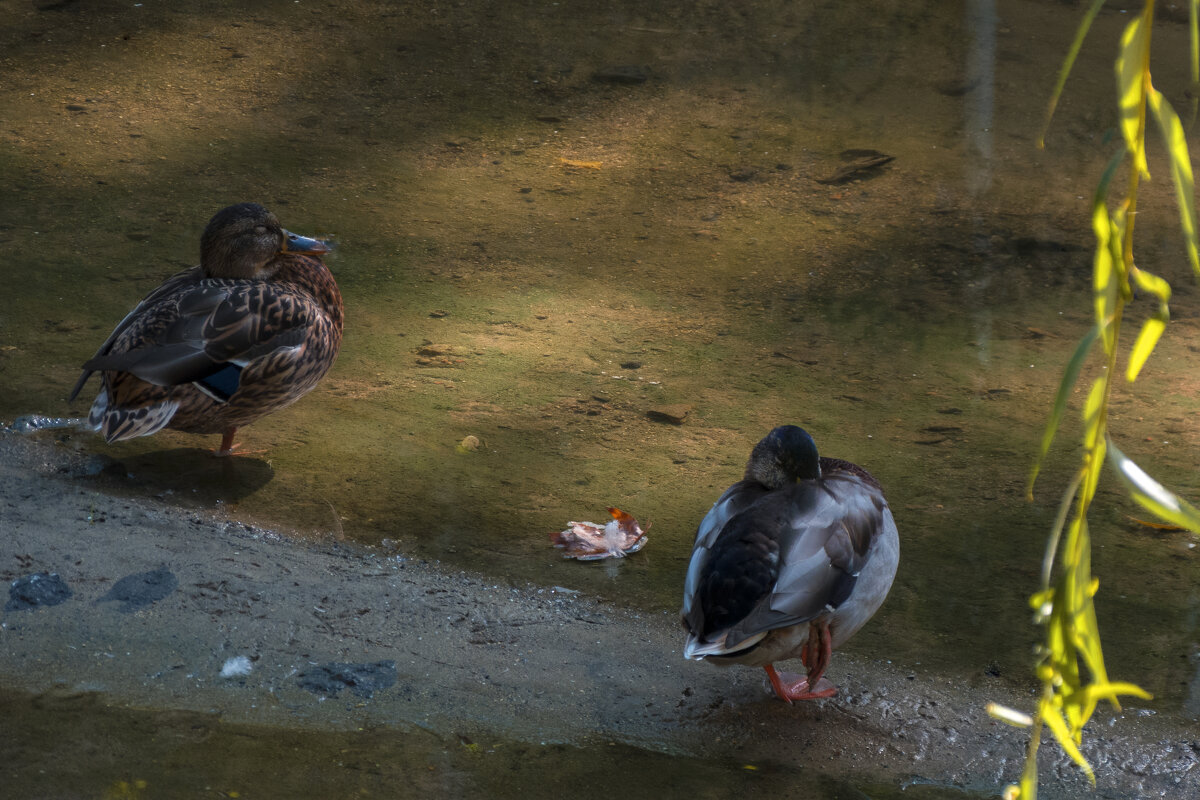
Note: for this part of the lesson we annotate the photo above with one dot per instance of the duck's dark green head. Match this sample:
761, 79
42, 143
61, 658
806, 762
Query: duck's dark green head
785, 455
242, 240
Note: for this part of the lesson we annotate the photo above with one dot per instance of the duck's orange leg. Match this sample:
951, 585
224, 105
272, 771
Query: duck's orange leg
818, 649
229, 447
815, 655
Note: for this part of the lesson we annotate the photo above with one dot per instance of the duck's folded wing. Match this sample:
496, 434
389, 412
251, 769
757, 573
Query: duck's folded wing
176, 283
820, 556
204, 331
732, 501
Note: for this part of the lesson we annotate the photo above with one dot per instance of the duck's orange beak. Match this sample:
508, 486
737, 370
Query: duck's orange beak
295, 243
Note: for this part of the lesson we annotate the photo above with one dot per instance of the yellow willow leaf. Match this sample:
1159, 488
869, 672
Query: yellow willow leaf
1058, 727
1069, 377
1029, 779
1105, 262
1104, 273
1109, 691
1152, 284
1181, 171
1040, 599
570, 162
1131, 89
1091, 473
1116, 246
1091, 413
1147, 338
1152, 495
1087, 643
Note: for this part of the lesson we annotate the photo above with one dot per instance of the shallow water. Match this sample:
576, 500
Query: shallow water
123, 754
915, 319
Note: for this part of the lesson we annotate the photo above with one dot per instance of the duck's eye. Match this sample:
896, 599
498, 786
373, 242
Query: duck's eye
260, 229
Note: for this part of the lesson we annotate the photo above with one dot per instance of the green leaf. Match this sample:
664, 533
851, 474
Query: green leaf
1060, 520
1181, 171
1194, 27
1070, 376
1132, 79
1152, 495
1069, 62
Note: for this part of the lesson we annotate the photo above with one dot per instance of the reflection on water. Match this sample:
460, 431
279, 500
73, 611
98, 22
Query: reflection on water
536, 258
72, 745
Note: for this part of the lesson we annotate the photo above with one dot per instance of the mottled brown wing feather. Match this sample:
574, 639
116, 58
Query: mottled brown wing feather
189, 337
167, 288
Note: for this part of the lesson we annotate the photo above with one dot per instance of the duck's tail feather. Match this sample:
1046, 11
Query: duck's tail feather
697, 648
87, 373
128, 423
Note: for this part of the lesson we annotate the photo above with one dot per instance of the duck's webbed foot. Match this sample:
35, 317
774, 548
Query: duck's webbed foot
790, 686
230, 447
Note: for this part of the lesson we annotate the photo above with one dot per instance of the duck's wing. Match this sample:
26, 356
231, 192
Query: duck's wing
734, 500
206, 333
171, 286
792, 556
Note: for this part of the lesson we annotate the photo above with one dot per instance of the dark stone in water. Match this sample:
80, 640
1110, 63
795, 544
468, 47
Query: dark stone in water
623, 74
135, 592
863, 164
39, 589
674, 413
362, 679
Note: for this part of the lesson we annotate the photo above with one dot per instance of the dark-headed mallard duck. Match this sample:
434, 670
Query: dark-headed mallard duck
790, 562
248, 331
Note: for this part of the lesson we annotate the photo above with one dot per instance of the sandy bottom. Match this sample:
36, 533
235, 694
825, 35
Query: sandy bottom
329, 638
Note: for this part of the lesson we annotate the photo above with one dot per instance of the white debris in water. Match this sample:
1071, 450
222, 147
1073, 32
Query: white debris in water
236, 667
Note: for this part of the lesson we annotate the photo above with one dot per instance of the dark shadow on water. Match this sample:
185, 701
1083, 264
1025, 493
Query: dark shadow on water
184, 476
73, 744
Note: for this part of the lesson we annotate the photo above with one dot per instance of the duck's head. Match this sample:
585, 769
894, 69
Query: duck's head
242, 241
785, 455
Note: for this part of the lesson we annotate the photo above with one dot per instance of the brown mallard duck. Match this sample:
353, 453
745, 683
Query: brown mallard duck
248, 331
790, 562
